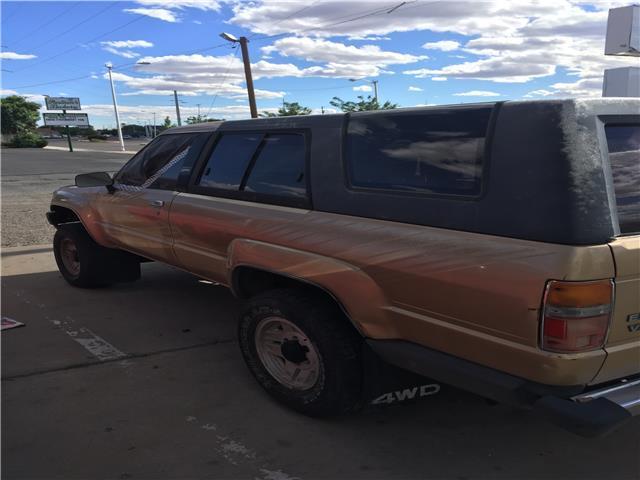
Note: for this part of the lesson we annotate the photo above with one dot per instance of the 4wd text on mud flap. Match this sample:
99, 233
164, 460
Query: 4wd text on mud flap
406, 394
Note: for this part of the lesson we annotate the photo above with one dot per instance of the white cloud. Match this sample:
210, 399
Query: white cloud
16, 56
180, 4
362, 88
444, 45
159, 13
122, 53
340, 60
415, 89
539, 93
167, 10
5, 92
128, 43
141, 113
513, 42
439, 79
477, 93
117, 47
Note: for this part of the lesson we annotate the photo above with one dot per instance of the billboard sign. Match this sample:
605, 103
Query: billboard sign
63, 119
62, 103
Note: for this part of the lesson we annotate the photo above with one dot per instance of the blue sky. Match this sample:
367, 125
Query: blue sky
421, 52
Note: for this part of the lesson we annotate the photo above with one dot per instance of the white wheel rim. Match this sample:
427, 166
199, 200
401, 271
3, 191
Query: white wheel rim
287, 353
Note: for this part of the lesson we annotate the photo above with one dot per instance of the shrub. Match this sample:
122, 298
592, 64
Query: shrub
27, 139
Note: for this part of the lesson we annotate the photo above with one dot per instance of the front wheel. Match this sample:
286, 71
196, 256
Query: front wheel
302, 351
83, 263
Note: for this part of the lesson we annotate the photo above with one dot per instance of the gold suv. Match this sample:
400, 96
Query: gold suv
494, 247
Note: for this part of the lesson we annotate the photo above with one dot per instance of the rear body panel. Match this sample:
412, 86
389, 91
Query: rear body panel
623, 343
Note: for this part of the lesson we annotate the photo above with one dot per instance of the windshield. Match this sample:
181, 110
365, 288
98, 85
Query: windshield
624, 155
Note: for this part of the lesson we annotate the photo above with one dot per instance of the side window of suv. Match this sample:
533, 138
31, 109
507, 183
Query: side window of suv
439, 152
229, 160
263, 167
158, 165
279, 167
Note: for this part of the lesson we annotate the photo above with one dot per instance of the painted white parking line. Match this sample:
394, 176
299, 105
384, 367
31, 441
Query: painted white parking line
94, 344
238, 454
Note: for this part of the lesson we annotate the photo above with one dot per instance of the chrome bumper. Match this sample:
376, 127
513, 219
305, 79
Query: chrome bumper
625, 394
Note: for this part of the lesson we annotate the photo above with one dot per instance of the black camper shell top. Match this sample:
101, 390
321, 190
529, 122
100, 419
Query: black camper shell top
534, 170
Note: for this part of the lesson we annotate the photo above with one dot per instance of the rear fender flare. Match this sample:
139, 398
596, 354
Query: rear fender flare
358, 294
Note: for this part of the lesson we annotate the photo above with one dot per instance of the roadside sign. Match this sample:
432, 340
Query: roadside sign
62, 103
63, 119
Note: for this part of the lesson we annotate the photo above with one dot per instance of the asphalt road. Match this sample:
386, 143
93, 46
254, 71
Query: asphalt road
29, 177
145, 380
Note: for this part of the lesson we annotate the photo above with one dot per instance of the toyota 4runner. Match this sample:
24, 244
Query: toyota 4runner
493, 247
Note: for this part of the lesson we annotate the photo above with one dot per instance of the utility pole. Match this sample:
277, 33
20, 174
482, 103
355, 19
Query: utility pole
175, 96
247, 70
154, 124
115, 106
198, 119
372, 82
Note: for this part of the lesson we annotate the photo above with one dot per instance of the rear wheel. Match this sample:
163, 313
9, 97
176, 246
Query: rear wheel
84, 263
302, 351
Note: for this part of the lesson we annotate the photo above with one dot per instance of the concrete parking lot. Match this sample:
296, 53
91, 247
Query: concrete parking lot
145, 380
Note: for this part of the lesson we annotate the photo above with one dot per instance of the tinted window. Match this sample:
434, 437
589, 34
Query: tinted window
437, 152
163, 157
279, 167
624, 154
229, 160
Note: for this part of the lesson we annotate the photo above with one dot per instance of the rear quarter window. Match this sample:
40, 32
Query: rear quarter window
623, 142
439, 152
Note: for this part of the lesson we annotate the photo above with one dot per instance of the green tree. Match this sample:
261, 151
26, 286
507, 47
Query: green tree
18, 114
288, 109
196, 119
167, 122
362, 105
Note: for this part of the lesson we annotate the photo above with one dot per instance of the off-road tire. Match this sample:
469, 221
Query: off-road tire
338, 389
98, 266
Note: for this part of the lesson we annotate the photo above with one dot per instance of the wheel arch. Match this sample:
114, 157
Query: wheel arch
248, 281
58, 215
254, 266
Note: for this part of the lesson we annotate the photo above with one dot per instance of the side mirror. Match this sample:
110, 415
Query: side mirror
97, 179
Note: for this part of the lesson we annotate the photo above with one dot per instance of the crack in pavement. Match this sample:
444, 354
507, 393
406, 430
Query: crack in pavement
126, 358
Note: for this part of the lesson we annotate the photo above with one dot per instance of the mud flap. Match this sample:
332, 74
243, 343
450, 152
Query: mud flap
120, 266
386, 384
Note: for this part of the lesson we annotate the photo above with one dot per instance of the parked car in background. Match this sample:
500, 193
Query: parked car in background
494, 247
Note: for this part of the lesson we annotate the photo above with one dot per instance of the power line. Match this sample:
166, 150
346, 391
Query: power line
359, 16
222, 79
73, 27
289, 16
43, 25
12, 14
48, 59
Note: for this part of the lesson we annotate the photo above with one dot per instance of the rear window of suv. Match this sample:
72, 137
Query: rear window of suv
438, 152
624, 155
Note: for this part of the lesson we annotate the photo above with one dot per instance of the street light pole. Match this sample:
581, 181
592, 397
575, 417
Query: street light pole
154, 124
372, 82
175, 96
115, 106
247, 70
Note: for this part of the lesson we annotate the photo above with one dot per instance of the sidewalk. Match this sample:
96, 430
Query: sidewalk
75, 149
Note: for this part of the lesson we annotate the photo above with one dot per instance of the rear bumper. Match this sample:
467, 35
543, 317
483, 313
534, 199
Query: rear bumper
587, 413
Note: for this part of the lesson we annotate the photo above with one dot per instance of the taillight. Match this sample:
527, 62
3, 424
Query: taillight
576, 315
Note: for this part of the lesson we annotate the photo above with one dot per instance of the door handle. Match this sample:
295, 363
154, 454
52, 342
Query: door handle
157, 203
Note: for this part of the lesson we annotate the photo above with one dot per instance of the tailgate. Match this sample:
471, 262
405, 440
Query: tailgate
623, 343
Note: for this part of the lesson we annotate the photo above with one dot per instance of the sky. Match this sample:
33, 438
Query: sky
420, 52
